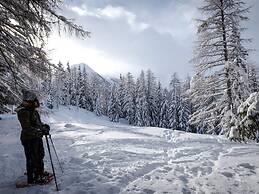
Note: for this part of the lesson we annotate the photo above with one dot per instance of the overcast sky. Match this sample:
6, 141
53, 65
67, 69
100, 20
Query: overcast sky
131, 35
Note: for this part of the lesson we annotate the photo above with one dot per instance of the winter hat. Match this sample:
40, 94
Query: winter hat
28, 95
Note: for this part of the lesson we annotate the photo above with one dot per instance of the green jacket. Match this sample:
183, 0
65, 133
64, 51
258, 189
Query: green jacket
30, 123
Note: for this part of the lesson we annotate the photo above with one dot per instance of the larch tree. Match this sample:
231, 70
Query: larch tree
24, 27
253, 79
220, 58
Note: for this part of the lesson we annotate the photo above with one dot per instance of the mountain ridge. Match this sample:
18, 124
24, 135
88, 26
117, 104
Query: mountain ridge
106, 79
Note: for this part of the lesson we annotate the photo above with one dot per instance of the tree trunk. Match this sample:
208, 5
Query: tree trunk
225, 50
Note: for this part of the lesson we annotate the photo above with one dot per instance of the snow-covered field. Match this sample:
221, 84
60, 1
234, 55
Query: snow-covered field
100, 157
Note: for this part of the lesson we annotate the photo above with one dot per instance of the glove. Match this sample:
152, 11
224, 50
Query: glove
46, 126
45, 129
39, 133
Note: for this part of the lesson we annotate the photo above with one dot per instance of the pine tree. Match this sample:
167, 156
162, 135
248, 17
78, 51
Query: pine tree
150, 95
81, 89
93, 92
246, 125
122, 96
59, 77
159, 103
141, 116
113, 105
73, 100
129, 100
164, 111
174, 103
67, 87
185, 107
47, 87
98, 105
87, 95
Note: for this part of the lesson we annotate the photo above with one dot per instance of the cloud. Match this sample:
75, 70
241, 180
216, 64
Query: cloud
79, 11
172, 17
112, 13
70, 50
116, 45
134, 35
176, 19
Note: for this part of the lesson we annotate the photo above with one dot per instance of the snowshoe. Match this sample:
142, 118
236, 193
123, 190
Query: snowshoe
21, 182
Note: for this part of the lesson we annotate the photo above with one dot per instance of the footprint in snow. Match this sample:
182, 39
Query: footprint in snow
247, 166
185, 191
168, 168
148, 191
68, 125
147, 177
100, 132
228, 174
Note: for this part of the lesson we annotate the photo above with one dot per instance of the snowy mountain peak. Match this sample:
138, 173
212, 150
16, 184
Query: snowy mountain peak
90, 72
83, 66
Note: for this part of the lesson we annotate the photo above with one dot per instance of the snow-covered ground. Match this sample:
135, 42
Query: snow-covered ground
100, 157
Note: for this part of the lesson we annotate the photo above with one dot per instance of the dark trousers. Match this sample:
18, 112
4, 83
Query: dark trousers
34, 153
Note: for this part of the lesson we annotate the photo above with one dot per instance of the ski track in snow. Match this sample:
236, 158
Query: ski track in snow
100, 157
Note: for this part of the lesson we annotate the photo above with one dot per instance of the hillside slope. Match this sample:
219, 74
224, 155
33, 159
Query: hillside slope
107, 158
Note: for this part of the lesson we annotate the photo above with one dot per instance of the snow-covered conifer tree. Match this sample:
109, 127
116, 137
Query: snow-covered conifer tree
221, 61
150, 95
25, 24
98, 104
174, 103
113, 105
87, 90
67, 87
122, 96
141, 115
159, 102
185, 106
73, 99
164, 112
129, 100
81, 89
246, 125
253, 79
59, 77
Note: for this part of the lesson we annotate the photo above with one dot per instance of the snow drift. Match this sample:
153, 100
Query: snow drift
108, 158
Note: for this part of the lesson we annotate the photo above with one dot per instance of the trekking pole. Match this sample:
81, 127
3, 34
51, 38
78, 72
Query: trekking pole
56, 154
53, 169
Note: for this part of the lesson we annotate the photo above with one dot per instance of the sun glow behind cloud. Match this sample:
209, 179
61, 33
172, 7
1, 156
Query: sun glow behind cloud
127, 39
66, 49
130, 36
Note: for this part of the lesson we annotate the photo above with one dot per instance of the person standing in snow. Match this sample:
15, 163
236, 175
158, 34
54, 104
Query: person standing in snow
31, 137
